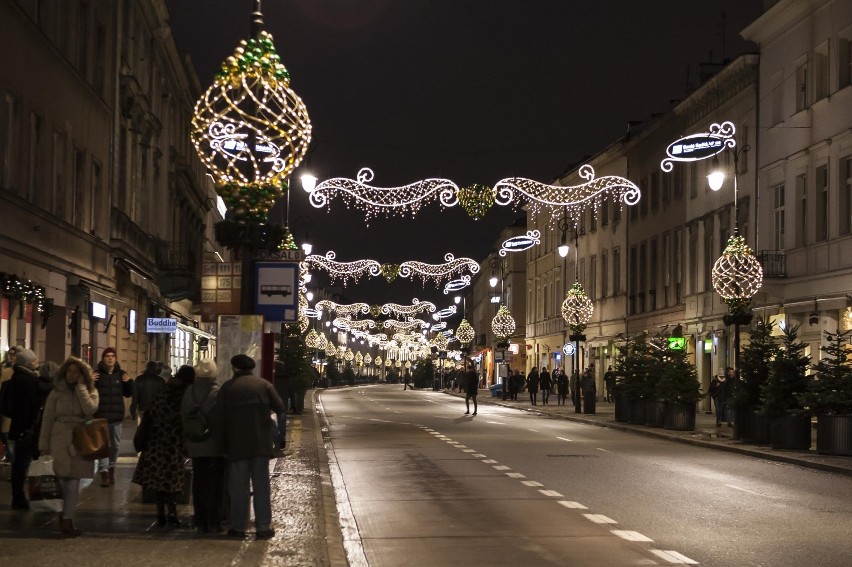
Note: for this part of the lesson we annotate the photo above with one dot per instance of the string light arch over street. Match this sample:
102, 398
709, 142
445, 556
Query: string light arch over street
345, 271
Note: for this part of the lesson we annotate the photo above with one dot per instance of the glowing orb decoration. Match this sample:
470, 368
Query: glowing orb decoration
390, 272
388, 362
577, 309
311, 339
503, 324
383, 200
416, 306
476, 199
407, 364
348, 356
330, 351
440, 342
378, 361
322, 342
367, 358
570, 200
398, 364
737, 274
465, 332
250, 129
304, 323
359, 358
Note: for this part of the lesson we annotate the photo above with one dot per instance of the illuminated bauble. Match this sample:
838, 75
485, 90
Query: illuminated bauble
503, 324
348, 356
440, 341
330, 350
398, 364
465, 332
367, 358
388, 362
737, 274
321, 342
378, 361
476, 199
577, 308
250, 128
311, 339
408, 364
359, 358
390, 272
375, 310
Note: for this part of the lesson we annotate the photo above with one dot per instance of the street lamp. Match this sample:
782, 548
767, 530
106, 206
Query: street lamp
503, 324
577, 310
564, 226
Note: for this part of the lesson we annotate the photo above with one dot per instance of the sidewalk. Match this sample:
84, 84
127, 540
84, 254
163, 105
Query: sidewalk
706, 433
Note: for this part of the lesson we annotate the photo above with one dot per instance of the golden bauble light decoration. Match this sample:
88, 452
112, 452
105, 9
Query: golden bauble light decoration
311, 339
577, 309
465, 332
348, 356
367, 358
737, 274
330, 350
503, 324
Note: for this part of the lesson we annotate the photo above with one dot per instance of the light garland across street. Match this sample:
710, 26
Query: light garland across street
344, 310
416, 306
344, 271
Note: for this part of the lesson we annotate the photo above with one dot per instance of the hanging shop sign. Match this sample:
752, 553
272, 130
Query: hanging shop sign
160, 325
520, 243
677, 343
700, 146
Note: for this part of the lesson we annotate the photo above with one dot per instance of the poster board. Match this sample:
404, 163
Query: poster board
238, 334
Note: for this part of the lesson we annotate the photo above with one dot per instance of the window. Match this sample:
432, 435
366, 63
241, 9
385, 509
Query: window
593, 273
83, 38
604, 213
78, 189
56, 199
846, 195
96, 203
642, 268
844, 61
724, 230
593, 219
667, 187
821, 71
667, 268
616, 212
778, 217
643, 203
822, 203
655, 193
802, 213
652, 275
776, 97
604, 274
709, 257
616, 271
693, 186
582, 275
677, 262
546, 301
677, 177
34, 187
8, 140
802, 87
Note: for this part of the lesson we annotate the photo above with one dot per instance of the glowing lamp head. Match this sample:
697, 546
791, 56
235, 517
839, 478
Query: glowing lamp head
309, 182
493, 281
563, 249
310, 296
457, 299
307, 248
716, 177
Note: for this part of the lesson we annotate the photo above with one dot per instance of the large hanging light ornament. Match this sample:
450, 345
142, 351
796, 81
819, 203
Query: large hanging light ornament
465, 332
737, 275
407, 364
330, 350
440, 342
573, 200
250, 129
367, 358
452, 266
503, 324
359, 358
311, 339
577, 309
343, 310
348, 356
476, 199
416, 306
383, 200
378, 361
343, 270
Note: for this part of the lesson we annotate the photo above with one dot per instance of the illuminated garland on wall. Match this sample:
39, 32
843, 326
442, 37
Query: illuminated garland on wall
577, 309
416, 306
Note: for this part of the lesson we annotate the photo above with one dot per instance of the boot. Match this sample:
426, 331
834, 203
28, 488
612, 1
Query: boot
104, 478
172, 506
111, 475
66, 527
161, 510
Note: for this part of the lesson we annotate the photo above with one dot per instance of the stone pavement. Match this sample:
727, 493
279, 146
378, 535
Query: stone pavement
706, 433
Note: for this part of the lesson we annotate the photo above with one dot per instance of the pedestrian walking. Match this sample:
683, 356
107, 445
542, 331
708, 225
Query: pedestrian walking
144, 388
161, 465
73, 400
546, 384
242, 421
589, 388
208, 457
609, 384
406, 381
113, 386
561, 387
512, 384
6, 372
532, 385
21, 402
576, 395
721, 391
471, 387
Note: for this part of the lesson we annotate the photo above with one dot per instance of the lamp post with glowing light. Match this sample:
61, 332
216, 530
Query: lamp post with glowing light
577, 310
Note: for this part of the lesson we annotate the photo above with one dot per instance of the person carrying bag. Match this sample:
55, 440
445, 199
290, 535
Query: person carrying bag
91, 439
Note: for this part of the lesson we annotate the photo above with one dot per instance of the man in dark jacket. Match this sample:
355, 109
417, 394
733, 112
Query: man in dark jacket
113, 385
471, 387
243, 423
22, 401
144, 388
587, 384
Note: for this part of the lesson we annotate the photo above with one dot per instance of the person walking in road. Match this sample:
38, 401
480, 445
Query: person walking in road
73, 400
532, 385
471, 387
113, 386
576, 396
144, 388
208, 461
513, 385
242, 422
406, 381
561, 387
609, 384
545, 383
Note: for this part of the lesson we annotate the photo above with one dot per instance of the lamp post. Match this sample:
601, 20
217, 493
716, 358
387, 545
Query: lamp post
577, 311
503, 343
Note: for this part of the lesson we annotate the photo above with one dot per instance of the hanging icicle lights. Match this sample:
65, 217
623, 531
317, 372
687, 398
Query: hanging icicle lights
416, 307
344, 271
405, 325
342, 310
354, 324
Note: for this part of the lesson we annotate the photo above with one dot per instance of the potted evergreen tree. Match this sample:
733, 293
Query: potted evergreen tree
678, 387
634, 366
789, 423
424, 374
297, 359
349, 374
829, 396
750, 426
655, 406
332, 372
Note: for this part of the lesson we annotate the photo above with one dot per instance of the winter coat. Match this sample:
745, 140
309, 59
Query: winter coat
161, 464
65, 408
203, 391
544, 380
587, 383
144, 388
532, 381
5, 376
242, 416
112, 392
471, 382
22, 401
562, 384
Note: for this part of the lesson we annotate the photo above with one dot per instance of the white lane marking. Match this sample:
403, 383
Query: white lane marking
515, 475
551, 493
478, 456
674, 557
496, 422
501, 468
536, 430
599, 519
574, 505
746, 490
460, 446
468, 450
630, 535
563, 438
604, 450
489, 461
380, 420
531, 483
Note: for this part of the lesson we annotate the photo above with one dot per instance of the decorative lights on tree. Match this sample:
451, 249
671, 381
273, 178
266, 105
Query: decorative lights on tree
577, 309
465, 332
737, 276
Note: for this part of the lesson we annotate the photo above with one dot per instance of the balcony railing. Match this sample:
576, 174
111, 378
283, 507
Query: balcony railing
179, 271
774, 263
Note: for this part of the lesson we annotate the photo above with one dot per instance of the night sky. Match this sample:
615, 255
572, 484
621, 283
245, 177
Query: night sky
471, 90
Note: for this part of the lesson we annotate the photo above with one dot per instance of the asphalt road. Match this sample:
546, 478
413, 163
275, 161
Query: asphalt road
419, 483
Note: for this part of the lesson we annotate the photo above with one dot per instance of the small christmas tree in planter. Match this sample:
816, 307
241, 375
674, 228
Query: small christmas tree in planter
678, 387
424, 374
829, 396
790, 424
332, 372
297, 359
635, 365
755, 358
348, 374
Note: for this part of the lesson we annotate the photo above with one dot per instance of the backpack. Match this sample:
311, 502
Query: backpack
196, 425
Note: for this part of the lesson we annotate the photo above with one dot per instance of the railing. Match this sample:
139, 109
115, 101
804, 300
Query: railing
774, 263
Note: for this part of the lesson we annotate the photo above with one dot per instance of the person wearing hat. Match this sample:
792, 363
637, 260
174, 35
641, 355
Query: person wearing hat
243, 423
5, 422
208, 461
113, 385
144, 388
22, 402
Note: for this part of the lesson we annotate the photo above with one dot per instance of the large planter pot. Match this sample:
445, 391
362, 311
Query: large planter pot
655, 413
680, 416
752, 427
834, 435
790, 432
637, 412
622, 406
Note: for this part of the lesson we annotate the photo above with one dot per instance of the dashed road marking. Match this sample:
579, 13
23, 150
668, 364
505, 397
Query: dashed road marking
515, 475
460, 446
478, 456
468, 450
531, 483
674, 557
489, 461
551, 493
599, 519
563, 438
630, 535
501, 468
496, 422
573, 505
604, 450
536, 430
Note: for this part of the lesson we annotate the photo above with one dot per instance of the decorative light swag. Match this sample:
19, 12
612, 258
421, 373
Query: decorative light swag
343, 310
416, 306
355, 270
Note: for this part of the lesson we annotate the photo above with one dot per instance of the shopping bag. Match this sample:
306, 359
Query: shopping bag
43, 489
91, 439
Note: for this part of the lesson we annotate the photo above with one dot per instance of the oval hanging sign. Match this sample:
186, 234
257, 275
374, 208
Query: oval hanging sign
520, 243
456, 285
700, 146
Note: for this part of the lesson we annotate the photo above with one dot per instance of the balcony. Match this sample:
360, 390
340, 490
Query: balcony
178, 265
774, 263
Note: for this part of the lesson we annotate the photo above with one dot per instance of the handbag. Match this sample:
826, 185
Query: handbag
91, 439
43, 489
143, 433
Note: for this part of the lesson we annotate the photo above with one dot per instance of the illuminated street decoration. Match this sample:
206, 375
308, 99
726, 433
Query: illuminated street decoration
577, 309
388, 362
343, 270
358, 324
250, 129
455, 285
571, 200
367, 358
398, 364
311, 339
378, 361
416, 306
407, 364
439, 326
383, 200
444, 313
343, 310
312, 313
359, 358
465, 332
520, 243
341, 323
330, 351
451, 267
476, 199
322, 342
348, 356
700, 146
737, 275
404, 325
503, 324
355, 270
